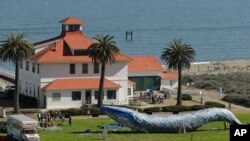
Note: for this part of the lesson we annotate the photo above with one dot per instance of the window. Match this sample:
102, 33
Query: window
30, 88
20, 85
26, 88
33, 67
85, 68
97, 95
111, 94
96, 68
76, 95
74, 27
129, 91
34, 90
27, 65
56, 96
21, 63
38, 91
80, 52
38, 68
72, 68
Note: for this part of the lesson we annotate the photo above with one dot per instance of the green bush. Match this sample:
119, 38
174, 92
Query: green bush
175, 108
73, 111
152, 109
93, 109
183, 108
240, 99
186, 97
214, 104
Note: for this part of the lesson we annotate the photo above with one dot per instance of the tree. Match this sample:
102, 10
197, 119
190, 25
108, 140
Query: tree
102, 52
178, 56
14, 49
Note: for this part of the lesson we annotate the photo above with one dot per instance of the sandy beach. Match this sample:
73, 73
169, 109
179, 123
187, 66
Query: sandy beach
217, 67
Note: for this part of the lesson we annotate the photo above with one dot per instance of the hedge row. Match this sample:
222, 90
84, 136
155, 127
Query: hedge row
186, 97
214, 104
81, 111
240, 99
208, 104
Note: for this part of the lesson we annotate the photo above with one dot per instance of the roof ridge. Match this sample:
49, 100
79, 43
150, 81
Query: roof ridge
42, 52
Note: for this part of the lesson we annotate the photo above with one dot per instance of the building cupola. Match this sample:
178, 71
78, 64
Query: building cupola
71, 24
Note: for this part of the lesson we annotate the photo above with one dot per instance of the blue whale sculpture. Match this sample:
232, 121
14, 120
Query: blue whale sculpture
168, 124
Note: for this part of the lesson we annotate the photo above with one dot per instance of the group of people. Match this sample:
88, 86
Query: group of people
45, 118
151, 97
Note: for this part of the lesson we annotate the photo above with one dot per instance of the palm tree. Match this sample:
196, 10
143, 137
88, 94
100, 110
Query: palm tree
178, 56
15, 48
102, 52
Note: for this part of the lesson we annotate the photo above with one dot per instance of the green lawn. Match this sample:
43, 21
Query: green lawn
210, 132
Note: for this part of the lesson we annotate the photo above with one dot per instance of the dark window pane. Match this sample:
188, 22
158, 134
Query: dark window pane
33, 67
27, 65
84, 68
129, 91
38, 68
72, 68
96, 68
76, 95
97, 95
111, 94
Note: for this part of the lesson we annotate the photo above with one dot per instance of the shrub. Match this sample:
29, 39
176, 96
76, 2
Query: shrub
240, 99
183, 108
174, 108
214, 104
152, 109
93, 109
186, 97
73, 111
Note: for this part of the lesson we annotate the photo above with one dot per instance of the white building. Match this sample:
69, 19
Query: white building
61, 75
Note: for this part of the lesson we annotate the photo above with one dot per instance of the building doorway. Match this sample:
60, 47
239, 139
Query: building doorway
88, 96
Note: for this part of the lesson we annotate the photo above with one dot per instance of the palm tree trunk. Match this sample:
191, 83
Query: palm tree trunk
16, 94
100, 98
179, 101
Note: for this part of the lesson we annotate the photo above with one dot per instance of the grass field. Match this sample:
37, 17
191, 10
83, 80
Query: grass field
210, 132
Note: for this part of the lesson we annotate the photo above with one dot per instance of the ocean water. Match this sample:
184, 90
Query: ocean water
216, 29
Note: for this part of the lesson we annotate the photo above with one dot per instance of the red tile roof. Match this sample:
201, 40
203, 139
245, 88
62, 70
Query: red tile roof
59, 52
71, 20
169, 75
80, 83
76, 40
144, 63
